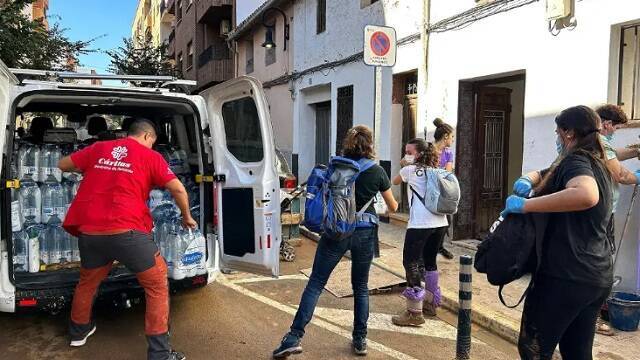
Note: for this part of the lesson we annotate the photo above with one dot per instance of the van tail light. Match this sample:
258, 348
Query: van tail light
290, 183
28, 302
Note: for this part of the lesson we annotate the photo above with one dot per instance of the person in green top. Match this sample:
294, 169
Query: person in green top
613, 117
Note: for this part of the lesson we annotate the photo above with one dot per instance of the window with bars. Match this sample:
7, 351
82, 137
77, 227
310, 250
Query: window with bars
629, 73
345, 114
321, 16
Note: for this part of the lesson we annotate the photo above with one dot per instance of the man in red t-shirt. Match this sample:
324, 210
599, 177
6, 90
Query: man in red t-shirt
110, 217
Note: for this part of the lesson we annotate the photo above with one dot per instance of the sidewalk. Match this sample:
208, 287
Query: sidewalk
487, 310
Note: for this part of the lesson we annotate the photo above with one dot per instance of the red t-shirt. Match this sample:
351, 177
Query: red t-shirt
117, 178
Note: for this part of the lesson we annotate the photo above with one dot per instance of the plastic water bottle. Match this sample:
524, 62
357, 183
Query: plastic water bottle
16, 211
177, 248
29, 161
75, 250
66, 250
35, 232
54, 239
55, 154
30, 199
184, 161
156, 197
44, 168
20, 241
53, 199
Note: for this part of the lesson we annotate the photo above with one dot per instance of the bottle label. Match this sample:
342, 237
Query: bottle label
16, 223
46, 214
26, 212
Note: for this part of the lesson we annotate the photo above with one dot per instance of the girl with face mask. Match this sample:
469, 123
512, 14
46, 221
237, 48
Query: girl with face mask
575, 276
425, 232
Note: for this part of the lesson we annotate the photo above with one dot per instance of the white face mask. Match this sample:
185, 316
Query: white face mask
410, 159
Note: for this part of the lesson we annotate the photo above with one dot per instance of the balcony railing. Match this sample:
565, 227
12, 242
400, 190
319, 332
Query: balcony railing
214, 52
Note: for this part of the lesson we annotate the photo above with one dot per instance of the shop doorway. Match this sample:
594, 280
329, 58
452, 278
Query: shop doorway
489, 149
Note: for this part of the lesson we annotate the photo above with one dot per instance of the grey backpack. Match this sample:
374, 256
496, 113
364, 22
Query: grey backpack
443, 192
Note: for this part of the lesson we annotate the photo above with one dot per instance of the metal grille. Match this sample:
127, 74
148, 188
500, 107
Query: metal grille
345, 114
493, 150
411, 87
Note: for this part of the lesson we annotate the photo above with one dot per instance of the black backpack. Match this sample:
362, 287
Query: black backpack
512, 249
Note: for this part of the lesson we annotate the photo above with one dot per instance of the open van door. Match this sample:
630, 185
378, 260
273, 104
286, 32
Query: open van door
7, 290
247, 187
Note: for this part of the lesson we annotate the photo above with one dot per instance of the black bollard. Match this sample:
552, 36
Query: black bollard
463, 340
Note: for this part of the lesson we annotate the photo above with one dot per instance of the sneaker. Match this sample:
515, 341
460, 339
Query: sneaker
290, 345
446, 253
360, 346
81, 339
175, 355
407, 318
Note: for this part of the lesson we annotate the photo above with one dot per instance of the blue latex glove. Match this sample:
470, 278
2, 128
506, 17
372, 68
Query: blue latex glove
514, 205
522, 187
637, 173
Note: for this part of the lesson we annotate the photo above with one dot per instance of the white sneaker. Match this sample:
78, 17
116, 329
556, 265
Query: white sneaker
83, 340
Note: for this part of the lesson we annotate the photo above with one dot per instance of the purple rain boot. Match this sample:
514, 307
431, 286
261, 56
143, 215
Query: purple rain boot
412, 315
433, 297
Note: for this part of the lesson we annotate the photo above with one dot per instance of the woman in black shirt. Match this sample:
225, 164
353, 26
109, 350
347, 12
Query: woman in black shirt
575, 275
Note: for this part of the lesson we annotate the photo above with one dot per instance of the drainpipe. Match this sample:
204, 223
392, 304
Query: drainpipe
422, 70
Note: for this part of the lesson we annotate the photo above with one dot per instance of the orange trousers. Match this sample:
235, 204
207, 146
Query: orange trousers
156, 289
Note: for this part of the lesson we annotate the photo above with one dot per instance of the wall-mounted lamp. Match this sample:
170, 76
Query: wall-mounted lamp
268, 38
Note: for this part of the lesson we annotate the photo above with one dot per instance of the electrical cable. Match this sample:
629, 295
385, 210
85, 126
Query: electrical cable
479, 12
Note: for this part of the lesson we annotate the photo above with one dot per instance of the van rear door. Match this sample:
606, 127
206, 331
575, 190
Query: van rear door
7, 290
247, 188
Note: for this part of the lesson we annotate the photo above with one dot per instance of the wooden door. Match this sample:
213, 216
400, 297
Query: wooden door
323, 132
492, 138
409, 117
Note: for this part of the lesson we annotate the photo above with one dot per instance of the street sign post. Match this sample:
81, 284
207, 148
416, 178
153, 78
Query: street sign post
379, 51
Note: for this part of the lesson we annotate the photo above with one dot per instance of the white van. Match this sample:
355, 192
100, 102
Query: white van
227, 136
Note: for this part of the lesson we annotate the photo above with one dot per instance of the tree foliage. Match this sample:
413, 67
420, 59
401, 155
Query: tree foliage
25, 43
141, 57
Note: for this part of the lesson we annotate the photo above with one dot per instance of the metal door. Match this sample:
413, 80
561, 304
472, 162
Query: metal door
323, 132
492, 119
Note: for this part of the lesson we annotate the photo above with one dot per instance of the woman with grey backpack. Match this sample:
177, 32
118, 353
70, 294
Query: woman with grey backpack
424, 236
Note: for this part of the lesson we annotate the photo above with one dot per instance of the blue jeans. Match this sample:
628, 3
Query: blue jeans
328, 254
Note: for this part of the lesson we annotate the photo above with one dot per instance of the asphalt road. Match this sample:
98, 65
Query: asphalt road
242, 316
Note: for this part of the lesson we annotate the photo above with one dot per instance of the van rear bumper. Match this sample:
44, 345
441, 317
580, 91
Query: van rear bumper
119, 293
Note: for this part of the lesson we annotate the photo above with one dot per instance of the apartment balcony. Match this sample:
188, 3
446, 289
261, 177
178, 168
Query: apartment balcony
215, 65
212, 11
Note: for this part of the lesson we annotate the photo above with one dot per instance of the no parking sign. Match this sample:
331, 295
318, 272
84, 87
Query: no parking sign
379, 45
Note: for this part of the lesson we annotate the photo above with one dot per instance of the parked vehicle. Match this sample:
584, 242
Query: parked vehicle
220, 141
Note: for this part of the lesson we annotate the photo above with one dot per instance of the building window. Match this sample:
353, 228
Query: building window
629, 76
269, 56
190, 55
179, 10
321, 16
365, 3
179, 65
249, 57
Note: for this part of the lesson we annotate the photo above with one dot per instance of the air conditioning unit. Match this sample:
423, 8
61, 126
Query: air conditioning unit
559, 9
225, 27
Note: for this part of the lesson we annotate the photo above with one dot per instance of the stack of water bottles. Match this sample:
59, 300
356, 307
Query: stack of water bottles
184, 250
38, 209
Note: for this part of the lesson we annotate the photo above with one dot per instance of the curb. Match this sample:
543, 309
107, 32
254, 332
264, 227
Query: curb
495, 322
